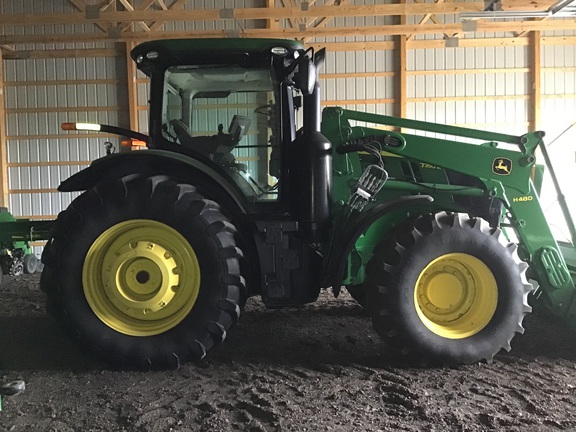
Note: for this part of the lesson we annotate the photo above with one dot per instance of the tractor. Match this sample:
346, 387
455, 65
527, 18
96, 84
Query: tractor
245, 187
16, 254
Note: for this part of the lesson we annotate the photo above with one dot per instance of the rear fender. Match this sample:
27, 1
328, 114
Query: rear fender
212, 183
334, 273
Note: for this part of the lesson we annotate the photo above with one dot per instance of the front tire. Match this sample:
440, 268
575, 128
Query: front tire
450, 290
144, 272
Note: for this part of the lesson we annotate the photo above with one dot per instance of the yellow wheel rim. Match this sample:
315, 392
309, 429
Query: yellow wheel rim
141, 277
456, 296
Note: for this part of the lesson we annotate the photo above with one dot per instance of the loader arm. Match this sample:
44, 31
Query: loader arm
503, 165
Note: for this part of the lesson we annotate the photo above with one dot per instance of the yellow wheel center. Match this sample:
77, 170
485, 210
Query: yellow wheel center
456, 295
141, 277
443, 291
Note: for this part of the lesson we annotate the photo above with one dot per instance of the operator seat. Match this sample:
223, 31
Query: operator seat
217, 147
199, 144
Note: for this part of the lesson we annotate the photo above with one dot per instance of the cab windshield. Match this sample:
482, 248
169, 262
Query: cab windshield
228, 114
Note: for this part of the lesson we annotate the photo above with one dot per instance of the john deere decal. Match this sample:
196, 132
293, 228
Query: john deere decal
502, 166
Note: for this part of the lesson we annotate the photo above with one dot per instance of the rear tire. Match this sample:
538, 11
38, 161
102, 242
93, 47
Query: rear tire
144, 272
450, 290
30, 263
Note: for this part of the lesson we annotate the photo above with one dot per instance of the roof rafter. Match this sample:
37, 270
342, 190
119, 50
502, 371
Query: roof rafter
134, 20
324, 21
242, 13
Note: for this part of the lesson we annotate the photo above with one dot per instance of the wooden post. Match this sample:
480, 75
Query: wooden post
271, 23
3, 142
535, 78
401, 104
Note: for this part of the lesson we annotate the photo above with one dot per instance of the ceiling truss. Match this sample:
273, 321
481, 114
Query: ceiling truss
138, 20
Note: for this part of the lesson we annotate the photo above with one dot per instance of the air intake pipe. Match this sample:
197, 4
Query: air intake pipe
310, 174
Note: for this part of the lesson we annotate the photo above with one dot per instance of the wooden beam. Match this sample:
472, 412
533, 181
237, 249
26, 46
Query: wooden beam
44, 83
467, 98
66, 109
32, 191
431, 44
143, 13
402, 77
357, 102
523, 5
324, 21
288, 4
143, 6
392, 30
402, 62
43, 164
264, 13
272, 23
81, 6
61, 136
427, 17
3, 142
357, 75
469, 71
330, 46
62, 53
558, 40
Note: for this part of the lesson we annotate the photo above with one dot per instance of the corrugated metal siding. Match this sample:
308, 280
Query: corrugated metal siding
558, 113
484, 88
34, 112
40, 94
55, 6
340, 86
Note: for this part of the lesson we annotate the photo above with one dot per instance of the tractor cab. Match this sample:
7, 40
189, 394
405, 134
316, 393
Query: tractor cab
231, 103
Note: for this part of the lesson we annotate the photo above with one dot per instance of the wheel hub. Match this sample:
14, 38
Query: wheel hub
447, 291
133, 275
140, 277
456, 295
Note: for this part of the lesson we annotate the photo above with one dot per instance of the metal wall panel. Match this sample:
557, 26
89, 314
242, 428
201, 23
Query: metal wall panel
484, 88
40, 94
558, 119
344, 78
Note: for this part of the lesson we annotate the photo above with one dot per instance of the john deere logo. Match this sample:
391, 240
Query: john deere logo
502, 166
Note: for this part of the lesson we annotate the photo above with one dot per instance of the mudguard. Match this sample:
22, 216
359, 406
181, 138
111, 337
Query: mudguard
335, 268
213, 183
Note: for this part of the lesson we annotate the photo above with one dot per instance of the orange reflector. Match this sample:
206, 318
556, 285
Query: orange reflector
68, 126
132, 143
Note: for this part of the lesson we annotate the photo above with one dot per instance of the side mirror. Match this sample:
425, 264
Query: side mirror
319, 58
306, 76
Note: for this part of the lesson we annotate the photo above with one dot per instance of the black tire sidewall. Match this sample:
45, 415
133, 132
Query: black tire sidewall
509, 306
30, 262
96, 211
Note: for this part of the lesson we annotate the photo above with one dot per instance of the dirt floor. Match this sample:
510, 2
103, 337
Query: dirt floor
319, 368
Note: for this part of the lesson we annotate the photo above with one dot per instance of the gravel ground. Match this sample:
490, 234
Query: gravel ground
318, 368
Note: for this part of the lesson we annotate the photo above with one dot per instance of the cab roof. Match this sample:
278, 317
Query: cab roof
203, 51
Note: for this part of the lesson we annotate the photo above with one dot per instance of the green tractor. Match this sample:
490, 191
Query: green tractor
246, 188
16, 254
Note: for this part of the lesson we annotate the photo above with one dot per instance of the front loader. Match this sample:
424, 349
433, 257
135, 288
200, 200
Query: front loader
245, 188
